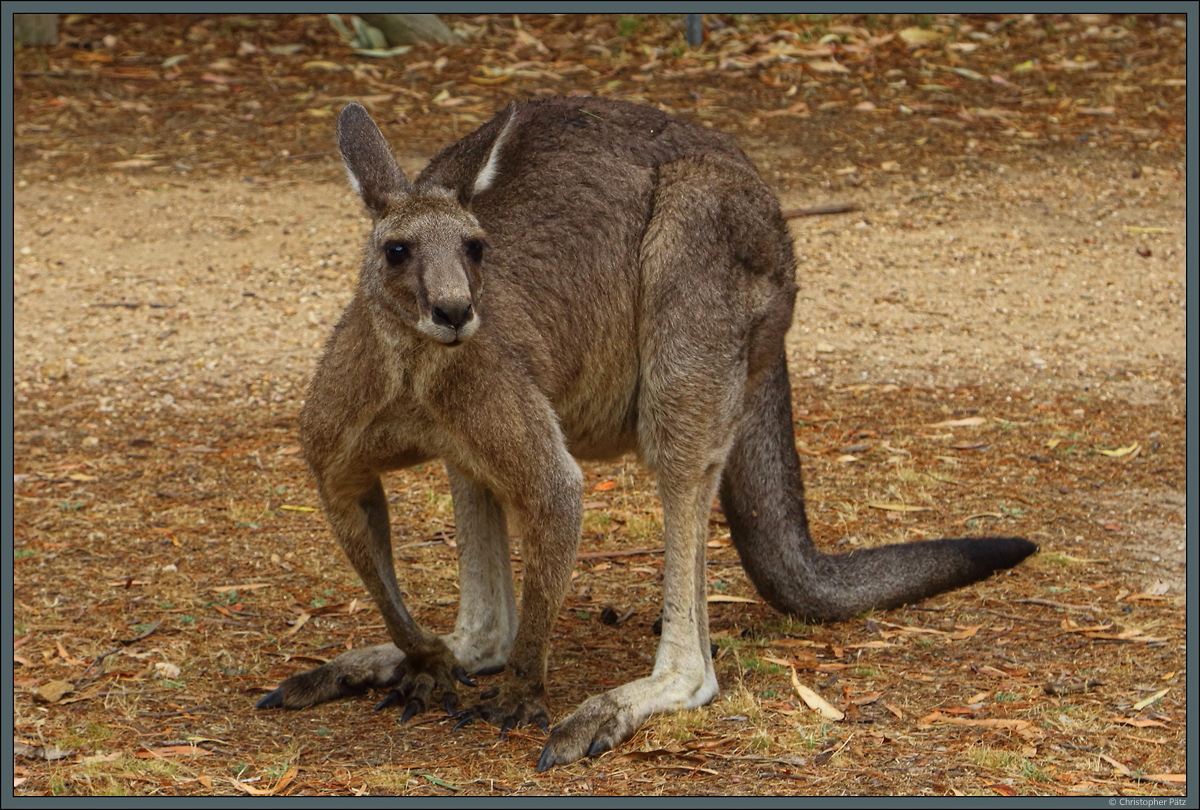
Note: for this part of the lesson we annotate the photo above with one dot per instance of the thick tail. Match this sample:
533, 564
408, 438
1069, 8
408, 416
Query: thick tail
763, 498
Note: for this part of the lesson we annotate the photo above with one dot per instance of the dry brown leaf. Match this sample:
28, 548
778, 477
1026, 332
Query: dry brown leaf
940, 716
1119, 767
827, 66
816, 702
919, 36
720, 597
970, 421
283, 782
1144, 702
173, 751
300, 621
898, 507
54, 691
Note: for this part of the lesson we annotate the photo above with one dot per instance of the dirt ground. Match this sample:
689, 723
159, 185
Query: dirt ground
992, 342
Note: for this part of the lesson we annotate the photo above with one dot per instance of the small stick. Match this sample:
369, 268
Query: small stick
819, 210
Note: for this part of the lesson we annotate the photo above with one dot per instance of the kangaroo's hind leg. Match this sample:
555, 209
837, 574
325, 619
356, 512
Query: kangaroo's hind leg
694, 335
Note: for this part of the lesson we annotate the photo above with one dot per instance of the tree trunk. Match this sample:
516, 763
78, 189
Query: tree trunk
407, 29
35, 29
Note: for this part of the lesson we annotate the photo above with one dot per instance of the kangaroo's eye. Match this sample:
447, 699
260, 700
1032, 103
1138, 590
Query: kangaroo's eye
474, 249
396, 253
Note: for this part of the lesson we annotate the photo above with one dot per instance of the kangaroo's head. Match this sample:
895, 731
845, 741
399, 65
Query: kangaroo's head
423, 260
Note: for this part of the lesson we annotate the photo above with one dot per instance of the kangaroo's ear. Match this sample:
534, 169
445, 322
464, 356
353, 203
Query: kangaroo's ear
369, 164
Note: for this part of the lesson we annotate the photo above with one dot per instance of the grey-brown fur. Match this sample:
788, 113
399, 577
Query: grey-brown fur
579, 278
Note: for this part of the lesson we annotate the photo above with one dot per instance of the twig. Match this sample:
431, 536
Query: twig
819, 210
633, 552
122, 643
1063, 605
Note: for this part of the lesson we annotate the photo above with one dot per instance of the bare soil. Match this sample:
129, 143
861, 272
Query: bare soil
993, 342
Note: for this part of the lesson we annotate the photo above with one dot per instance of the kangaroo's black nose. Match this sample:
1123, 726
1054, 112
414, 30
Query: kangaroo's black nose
455, 316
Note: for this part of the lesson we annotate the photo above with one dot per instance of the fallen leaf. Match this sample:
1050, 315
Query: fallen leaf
283, 782
1117, 766
939, 716
967, 73
133, 163
301, 620
1121, 451
95, 758
919, 36
970, 421
898, 507
1169, 778
1144, 702
815, 701
604, 486
173, 751
827, 66
54, 691
289, 508
720, 597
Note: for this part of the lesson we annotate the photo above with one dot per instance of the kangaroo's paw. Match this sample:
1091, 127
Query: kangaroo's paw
602, 722
351, 673
425, 678
598, 725
508, 706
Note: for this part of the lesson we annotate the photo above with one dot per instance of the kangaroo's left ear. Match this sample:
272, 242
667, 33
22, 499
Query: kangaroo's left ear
372, 170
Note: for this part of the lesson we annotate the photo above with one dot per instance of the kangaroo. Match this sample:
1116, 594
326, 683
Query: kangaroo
577, 279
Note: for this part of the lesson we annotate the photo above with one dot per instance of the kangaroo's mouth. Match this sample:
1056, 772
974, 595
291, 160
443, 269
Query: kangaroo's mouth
447, 335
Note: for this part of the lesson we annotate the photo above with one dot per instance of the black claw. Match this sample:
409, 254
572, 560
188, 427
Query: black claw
465, 718
496, 670
542, 722
462, 676
508, 725
450, 703
598, 748
274, 700
393, 697
546, 760
413, 707
489, 693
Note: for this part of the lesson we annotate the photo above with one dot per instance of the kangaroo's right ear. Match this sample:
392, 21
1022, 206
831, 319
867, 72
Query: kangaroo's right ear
369, 163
